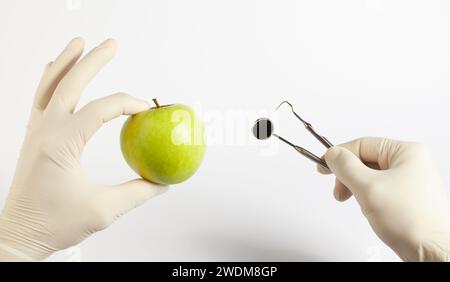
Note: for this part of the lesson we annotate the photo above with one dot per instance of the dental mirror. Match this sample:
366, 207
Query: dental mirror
263, 129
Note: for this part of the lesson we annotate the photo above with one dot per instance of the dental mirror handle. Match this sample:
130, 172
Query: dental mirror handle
304, 152
311, 156
321, 138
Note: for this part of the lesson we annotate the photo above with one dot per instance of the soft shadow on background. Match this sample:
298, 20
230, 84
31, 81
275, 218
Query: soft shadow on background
243, 249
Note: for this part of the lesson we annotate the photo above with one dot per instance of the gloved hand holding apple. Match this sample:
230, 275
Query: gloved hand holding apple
165, 144
53, 204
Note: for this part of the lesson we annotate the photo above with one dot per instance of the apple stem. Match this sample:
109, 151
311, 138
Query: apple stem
156, 103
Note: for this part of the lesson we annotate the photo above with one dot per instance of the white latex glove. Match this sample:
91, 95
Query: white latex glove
52, 205
401, 195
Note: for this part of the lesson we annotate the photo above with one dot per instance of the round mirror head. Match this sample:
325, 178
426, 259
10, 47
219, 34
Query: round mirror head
263, 129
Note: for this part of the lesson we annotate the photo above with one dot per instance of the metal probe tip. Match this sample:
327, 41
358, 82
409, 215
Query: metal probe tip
285, 102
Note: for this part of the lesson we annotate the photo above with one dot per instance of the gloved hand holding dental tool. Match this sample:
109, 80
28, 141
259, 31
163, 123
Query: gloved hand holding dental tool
396, 185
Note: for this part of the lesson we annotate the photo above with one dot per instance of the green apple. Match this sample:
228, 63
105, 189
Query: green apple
165, 144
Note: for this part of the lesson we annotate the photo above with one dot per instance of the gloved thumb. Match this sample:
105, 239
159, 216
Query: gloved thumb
349, 169
127, 196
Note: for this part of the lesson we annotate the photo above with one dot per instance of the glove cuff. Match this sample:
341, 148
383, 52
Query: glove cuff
9, 254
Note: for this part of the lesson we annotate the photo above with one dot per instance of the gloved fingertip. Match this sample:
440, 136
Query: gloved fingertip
110, 42
162, 190
143, 105
76, 43
156, 189
79, 41
339, 195
332, 154
135, 105
323, 170
147, 104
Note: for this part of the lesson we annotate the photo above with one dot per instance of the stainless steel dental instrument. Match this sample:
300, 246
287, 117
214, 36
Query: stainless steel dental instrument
263, 129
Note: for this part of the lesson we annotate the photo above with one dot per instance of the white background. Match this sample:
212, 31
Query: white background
352, 68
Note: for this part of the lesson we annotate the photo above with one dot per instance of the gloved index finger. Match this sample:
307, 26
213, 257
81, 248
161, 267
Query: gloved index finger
56, 71
373, 150
73, 84
92, 116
